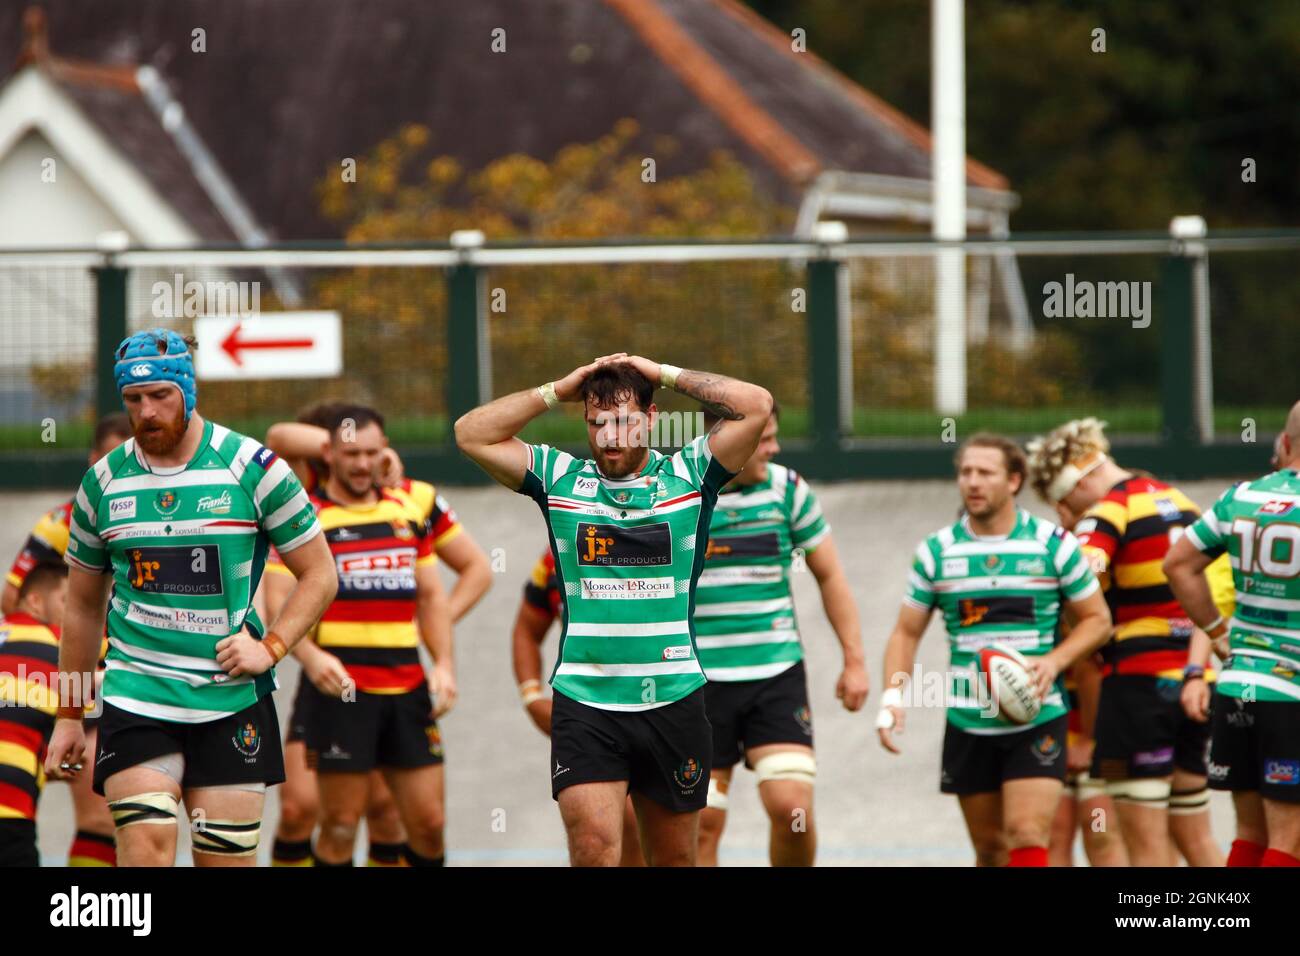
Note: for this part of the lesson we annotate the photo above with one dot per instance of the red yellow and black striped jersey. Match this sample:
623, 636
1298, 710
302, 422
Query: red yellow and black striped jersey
29, 672
543, 588
1126, 536
370, 626
47, 543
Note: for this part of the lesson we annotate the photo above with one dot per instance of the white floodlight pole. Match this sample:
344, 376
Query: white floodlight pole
948, 164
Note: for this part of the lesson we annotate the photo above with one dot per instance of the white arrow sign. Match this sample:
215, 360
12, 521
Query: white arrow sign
273, 345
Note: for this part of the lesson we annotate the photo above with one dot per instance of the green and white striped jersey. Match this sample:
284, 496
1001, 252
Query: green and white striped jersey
1004, 589
186, 547
745, 623
626, 560
1258, 524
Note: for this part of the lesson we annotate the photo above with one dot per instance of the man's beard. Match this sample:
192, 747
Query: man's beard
629, 463
162, 437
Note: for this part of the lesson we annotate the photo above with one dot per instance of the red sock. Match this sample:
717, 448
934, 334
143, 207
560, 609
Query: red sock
1029, 856
1245, 853
1278, 858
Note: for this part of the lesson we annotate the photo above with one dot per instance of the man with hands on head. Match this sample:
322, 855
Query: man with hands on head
629, 529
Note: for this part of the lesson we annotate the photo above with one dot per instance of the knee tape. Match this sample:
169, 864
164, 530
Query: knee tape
156, 807
1148, 793
1187, 802
717, 799
791, 765
226, 837
1086, 787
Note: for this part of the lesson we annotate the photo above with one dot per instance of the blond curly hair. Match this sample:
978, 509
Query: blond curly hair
1071, 443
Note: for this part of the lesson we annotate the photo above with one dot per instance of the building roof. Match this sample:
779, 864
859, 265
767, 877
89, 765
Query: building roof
286, 89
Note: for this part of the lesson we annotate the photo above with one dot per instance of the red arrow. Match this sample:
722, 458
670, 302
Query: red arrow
232, 344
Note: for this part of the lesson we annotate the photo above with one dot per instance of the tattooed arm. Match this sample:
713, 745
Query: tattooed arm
743, 408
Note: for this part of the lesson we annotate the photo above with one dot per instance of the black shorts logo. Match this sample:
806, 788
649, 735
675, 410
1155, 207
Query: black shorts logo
247, 741
689, 774
765, 545
1047, 748
803, 717
609, 546
175, 570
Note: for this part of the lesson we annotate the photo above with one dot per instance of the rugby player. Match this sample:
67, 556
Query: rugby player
1085, 805
29, 699
92, 844
629, 529
1255, 735
998, 575
766, 519
543, 604
366, 701
1149, 752
177, 520
300, 443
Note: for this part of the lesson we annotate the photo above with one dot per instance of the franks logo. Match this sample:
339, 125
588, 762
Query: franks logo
803, 717
972, 612
248, 741
1275, 508
1046, 749
166, 502
689, 774
215, 504
611, 546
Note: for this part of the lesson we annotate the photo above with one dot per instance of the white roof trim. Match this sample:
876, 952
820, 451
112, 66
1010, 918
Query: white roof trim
31, 101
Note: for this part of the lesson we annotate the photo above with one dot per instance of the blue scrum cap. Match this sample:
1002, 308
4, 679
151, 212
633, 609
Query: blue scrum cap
157, 355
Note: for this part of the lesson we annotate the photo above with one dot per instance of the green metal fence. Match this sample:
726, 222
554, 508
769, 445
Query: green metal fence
843, 334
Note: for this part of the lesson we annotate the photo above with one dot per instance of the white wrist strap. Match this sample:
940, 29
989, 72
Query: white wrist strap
547, 392
892, 697
668, 375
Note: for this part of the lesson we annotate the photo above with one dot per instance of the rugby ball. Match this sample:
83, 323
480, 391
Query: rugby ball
1010, 683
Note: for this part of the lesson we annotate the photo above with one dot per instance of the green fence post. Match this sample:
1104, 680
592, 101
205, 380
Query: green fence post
466, 340
110, 304
1178, 431
823, 358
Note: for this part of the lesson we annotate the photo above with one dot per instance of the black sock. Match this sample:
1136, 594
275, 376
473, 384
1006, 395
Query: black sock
385, 854
291, 852
415, 859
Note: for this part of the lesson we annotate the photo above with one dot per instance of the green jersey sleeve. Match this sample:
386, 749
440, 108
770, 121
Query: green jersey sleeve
86, 549
808, 527
1209, 532
546, 465
1077, 579
695, 463
920, 580
284, 512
